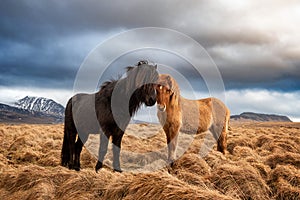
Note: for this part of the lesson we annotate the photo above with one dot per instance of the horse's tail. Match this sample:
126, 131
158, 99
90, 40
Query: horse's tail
69, 131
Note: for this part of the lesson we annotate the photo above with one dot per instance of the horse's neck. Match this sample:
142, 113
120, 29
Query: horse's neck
175, 104
131, 96
121, 97
134, 104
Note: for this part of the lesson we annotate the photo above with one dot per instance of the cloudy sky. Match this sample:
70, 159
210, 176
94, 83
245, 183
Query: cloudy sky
255, 45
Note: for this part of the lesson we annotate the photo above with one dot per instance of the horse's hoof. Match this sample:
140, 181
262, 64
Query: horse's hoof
71, 167
64, 164
77, 168
118, 170
169, 169
98, 166
171, 162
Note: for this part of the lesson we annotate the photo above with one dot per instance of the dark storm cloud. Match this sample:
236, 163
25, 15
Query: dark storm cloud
43, 43
43, 66
31, 20
48, 40
44, 77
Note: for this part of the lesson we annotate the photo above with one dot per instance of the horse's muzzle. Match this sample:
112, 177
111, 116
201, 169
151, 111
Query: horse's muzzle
161, 108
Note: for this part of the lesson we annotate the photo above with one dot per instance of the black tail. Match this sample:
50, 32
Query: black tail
65, 152
69, 135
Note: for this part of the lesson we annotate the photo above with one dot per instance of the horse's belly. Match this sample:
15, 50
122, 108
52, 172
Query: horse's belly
195, 119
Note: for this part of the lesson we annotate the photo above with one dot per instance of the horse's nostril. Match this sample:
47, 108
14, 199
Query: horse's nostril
150, 101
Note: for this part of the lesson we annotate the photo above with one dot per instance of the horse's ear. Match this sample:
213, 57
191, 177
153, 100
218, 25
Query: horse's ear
129, 68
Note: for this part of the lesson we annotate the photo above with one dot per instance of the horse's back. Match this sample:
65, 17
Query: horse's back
84, 113
215, 107
199, 115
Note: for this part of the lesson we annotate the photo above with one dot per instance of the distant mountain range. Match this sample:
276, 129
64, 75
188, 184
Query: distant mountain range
250, 116
32, 110
43, 110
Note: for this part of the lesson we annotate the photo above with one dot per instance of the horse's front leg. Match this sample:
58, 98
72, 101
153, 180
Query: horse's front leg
172, 139
117, 140
102, 150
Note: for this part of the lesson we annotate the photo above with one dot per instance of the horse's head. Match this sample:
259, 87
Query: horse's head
144, 78
149, 97
167, 92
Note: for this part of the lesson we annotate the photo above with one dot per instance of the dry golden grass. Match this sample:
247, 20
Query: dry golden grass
262, 162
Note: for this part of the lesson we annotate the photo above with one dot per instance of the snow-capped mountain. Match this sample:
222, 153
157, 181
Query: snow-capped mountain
40, 104
11, 114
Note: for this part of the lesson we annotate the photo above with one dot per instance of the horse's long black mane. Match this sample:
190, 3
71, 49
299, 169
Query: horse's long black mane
128, 69
128, 83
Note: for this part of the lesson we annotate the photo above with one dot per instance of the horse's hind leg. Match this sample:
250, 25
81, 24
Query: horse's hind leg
220, 136
102, 150
68, 153
222, 142
78, 148
223, 136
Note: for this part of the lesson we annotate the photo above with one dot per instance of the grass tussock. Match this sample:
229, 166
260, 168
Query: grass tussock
285, 158
285, 182
241, 181
262, 162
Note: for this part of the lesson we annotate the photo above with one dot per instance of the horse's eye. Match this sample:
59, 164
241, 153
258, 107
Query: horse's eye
168, 91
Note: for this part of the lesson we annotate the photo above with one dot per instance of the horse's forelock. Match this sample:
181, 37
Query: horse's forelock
138, 76
170, 83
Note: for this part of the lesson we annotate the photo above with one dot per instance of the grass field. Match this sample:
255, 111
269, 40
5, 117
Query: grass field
262, 162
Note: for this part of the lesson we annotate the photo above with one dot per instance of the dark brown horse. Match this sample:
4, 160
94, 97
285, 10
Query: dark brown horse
107, 112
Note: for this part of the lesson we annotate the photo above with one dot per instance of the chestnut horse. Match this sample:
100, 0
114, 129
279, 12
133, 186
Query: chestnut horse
177, 113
